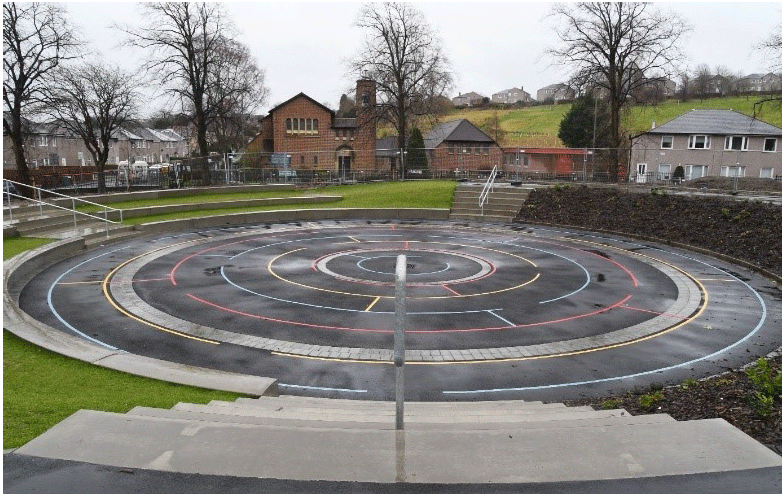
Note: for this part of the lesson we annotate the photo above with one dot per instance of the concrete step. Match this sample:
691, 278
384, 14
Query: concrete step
358, 416
488, 210
416, 408
312, 400
552, 454
92, 231
54, 224
390, 423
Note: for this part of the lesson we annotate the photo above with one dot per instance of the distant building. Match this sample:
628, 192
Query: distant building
528, 162
557, 92
313, 138
512, 95
708, 143
461, 145
761, 83
49, 144
471, 99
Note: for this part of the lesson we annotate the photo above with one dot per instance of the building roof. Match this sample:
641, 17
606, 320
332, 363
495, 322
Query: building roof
471, 94
459, 130
387, 147
298, 95
719, 122
554, 86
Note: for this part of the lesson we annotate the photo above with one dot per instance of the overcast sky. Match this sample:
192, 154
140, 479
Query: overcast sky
303, 46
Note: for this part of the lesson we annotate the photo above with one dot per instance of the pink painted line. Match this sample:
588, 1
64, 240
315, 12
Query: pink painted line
450, 289
631, 275
414, 331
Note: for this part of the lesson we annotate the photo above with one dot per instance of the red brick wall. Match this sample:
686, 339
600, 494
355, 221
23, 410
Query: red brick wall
441, 159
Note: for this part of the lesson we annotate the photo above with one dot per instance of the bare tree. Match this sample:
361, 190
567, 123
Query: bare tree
770, 48
92, 101
613, 46
702, 78
188, 45
236, 90
36, 38
404, 57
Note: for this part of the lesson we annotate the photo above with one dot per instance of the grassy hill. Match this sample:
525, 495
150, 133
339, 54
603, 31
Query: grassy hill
538, 126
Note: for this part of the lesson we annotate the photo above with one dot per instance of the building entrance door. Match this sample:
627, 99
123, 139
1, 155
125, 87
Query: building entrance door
344, 166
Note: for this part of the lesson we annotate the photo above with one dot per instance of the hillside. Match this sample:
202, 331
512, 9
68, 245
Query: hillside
538, 126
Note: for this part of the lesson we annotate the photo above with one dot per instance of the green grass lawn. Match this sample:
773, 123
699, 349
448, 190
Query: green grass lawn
41, 388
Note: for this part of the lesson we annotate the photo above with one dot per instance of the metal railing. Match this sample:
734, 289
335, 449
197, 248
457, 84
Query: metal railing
487, 189
9, 185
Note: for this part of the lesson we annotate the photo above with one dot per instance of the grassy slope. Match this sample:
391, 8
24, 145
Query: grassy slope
538, 126
42, 388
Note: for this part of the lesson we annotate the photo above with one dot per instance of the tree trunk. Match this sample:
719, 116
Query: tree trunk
17, 142
201, 138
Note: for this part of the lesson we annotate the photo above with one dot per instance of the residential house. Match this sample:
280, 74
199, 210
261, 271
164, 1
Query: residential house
558, 92
313, 138
708, 143
53, 145
461, 146
512, 95
471, 99
761, 83
718, 85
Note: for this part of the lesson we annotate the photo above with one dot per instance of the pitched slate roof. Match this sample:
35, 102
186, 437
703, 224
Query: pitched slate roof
344, 122
719, 122
460, 130
298, 95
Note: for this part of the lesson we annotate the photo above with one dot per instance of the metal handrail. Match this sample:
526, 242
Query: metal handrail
41, 203
487, 189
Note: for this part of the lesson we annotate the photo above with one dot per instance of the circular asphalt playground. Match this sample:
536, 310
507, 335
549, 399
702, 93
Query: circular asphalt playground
494, 312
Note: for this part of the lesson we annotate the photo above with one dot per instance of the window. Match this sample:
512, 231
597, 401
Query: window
301, 126
54, 140
525, 160
302, 159
733, 171
664, 171
770, 145
666, 142
451, 148
43, 140
699, 142
736, 143
486, 150
315, 159
695, 171
766, 173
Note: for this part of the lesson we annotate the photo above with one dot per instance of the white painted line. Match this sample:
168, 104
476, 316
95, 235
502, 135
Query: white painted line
323, 388
60, 318
500, 318
649, 372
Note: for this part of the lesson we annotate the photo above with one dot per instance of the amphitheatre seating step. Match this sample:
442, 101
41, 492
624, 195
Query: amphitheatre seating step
311, 400
365, 406
548, 454
370, 416
411, 423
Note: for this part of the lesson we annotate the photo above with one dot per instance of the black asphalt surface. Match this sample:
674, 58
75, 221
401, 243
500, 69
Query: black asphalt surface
330, 284
26, 475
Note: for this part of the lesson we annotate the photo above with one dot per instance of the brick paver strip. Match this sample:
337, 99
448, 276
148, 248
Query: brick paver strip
686, 305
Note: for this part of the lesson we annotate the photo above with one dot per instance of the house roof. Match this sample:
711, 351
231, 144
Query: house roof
554, 86
471, 94
721, 122
386, 147
547, 151
459, 130
332, 112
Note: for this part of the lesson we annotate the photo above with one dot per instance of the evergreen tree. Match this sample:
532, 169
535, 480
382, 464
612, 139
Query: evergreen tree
576, 129
416, 158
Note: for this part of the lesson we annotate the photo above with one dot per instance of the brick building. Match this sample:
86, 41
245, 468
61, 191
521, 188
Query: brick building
311, 136
463, 146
